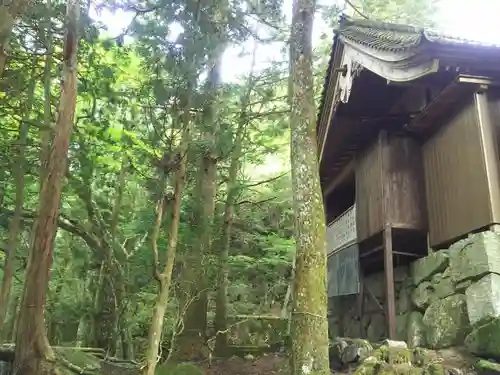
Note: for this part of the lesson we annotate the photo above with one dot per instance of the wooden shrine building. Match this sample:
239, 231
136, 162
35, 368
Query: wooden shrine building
408, 135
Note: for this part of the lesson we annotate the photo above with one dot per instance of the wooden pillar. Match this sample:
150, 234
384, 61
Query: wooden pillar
361, 304
389, 284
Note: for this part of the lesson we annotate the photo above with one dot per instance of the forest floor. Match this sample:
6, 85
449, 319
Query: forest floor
270, 364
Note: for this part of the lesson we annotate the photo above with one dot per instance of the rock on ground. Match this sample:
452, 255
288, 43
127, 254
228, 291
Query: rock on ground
424, 268
484, 340
475, 256
483, 298
446, 322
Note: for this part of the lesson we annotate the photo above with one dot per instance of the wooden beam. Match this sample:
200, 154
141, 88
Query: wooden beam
389, 284
341, 177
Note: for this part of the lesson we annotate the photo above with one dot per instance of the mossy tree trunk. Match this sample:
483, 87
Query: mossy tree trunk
15, 221
309, 327
32, 346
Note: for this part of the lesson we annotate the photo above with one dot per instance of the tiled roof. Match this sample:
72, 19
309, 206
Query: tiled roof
394, 37
388, 37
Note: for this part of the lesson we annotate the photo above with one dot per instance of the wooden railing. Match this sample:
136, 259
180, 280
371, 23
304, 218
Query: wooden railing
341, 232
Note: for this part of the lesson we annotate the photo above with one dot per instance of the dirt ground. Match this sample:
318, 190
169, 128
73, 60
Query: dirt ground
272, 364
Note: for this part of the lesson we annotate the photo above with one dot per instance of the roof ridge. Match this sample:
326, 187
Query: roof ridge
346, 21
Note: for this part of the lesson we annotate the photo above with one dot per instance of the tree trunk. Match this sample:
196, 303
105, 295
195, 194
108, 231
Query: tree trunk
81, 332
289, 290
8, 15
9, 331
47, 84
221, 339
106, 304
164, 277
32, 346
309, 328
191, 343
15, 222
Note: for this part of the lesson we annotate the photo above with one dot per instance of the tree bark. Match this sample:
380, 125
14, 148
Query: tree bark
164, 277
32, 346
191, 343
309, 328
47, 96
15, 221
8, 15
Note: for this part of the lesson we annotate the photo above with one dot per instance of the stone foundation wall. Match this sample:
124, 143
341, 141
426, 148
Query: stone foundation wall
449, 298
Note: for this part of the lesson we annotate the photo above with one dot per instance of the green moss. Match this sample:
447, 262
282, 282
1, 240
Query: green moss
400, 369
179, 369
368, 367
434, 368
422, 357
486, 367
400, 356
394, 356
382, 353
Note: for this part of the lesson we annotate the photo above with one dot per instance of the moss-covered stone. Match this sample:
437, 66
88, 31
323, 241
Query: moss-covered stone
484, 367
399, 369
377, 329
483, 298
484, 340
415, 333
446, 322
422, 294
401, 326
370, 366
434, 368
475, 256
442, 287
394, 356
424, 268
422, 357
403, 303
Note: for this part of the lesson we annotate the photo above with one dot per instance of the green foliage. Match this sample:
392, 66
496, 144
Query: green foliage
128, 119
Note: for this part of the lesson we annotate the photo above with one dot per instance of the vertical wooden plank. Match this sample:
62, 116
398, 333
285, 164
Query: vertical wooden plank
389, 284
490, 152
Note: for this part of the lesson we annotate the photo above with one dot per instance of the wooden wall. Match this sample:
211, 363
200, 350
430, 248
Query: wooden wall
458, 162
369, 193
389, 186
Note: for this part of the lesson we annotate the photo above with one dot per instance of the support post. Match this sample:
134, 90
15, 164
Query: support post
361, 304
389, 284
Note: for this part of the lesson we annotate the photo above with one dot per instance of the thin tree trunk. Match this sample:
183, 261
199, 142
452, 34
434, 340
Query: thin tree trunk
32, 346
81, 332
309, 328
15, 222
221, 327
289, 290
164, 277
8, 15
9, 332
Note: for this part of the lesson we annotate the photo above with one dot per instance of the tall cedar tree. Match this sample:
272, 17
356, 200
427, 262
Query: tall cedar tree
32, 346
8, 15
309, 327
